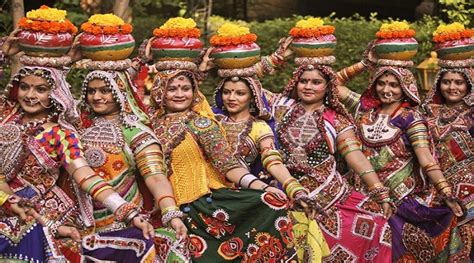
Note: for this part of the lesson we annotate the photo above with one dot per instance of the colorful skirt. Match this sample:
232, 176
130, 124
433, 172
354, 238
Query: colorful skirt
26, 242
239, 226
309, 241
356, 233
423, 234
126, 245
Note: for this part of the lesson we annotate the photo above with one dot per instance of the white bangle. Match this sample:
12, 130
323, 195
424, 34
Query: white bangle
246, 180
114, 201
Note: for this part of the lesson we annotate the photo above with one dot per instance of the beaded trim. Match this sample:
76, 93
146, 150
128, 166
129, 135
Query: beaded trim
55, 62
395, 63
104, 65
327, 60
465, 63
175, 64
239, 72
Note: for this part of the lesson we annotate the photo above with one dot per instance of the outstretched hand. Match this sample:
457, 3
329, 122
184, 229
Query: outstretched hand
75, 52
179, 227
455, 207
283, 47
207, 62
142, 223
369, 57
10, 46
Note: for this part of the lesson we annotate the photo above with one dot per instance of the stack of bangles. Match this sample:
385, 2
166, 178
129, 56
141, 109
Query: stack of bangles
270, 158
126, 212
431, 167
150, 163
380, 193
269, 64
444, 188
293, 188
169, 213
348, 73
348, 145
96, 187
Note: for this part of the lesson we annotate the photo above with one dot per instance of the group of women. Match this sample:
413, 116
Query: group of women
315, 173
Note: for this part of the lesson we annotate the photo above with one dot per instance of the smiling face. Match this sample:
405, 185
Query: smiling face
179, 94
33, 95
453, 87
311, 87
236, 97
100, 98
388, 89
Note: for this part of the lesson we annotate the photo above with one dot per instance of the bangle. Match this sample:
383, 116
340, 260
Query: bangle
374, 186
265, 187
89, 188
366, 172
253, 181
169, 208
287, 181
113, 201
246, 180
165, 196
85, 178
170, 215
429, 165
100, 190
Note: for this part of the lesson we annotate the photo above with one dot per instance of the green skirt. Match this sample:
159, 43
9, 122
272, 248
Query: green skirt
240, 226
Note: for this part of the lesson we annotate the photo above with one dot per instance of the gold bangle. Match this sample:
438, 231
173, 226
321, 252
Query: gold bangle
375, 186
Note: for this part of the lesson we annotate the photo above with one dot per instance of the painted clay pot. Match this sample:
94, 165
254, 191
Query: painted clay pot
396, 48
176, 48
240, 56
42, 44
314, 46
456, 49
107, 47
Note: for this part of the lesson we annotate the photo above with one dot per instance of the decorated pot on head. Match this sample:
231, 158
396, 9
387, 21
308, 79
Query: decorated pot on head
234, 47
311, 38
395, 42
106, 37
45, 32
454, 42
177, 40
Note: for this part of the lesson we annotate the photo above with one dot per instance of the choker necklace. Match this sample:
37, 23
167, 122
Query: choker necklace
32, 127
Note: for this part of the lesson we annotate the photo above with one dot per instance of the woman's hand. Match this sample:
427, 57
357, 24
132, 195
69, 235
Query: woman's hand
141, 223
283, 49
75, 52
455, 207
387, 210
207, 62
369, 58
147, 56
277, 192
69, 231
10, 46
178, 226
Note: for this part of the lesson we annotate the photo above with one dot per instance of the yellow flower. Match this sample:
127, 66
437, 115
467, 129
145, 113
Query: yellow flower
312, 22
47, 14
106, 20
179, 22
395, 26
232, 30
450, 28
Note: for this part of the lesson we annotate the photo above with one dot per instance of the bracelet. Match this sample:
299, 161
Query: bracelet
170, 215
165, 196
374, 186
169, 208
253, 181
124, 211
366, 172
96, 193
85, 178
287, 181
246, 180
89, 188
265, 187
113, 201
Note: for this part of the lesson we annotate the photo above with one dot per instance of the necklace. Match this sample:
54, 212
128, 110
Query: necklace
380, 131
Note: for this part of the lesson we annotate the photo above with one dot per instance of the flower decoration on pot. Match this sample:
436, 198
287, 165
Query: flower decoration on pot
395, 41
177, 40
311, 38
234, 47
454, 42
45, 32
106, 37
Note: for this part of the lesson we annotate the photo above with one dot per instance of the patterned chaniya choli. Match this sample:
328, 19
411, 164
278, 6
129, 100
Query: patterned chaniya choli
34, 158
111, 147
244, 137
452, 130
224, 224
419, 233
352, 224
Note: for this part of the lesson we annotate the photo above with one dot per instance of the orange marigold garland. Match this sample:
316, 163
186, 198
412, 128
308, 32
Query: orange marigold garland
107, 24
397, 29
312, 32
229, 41
48, 20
